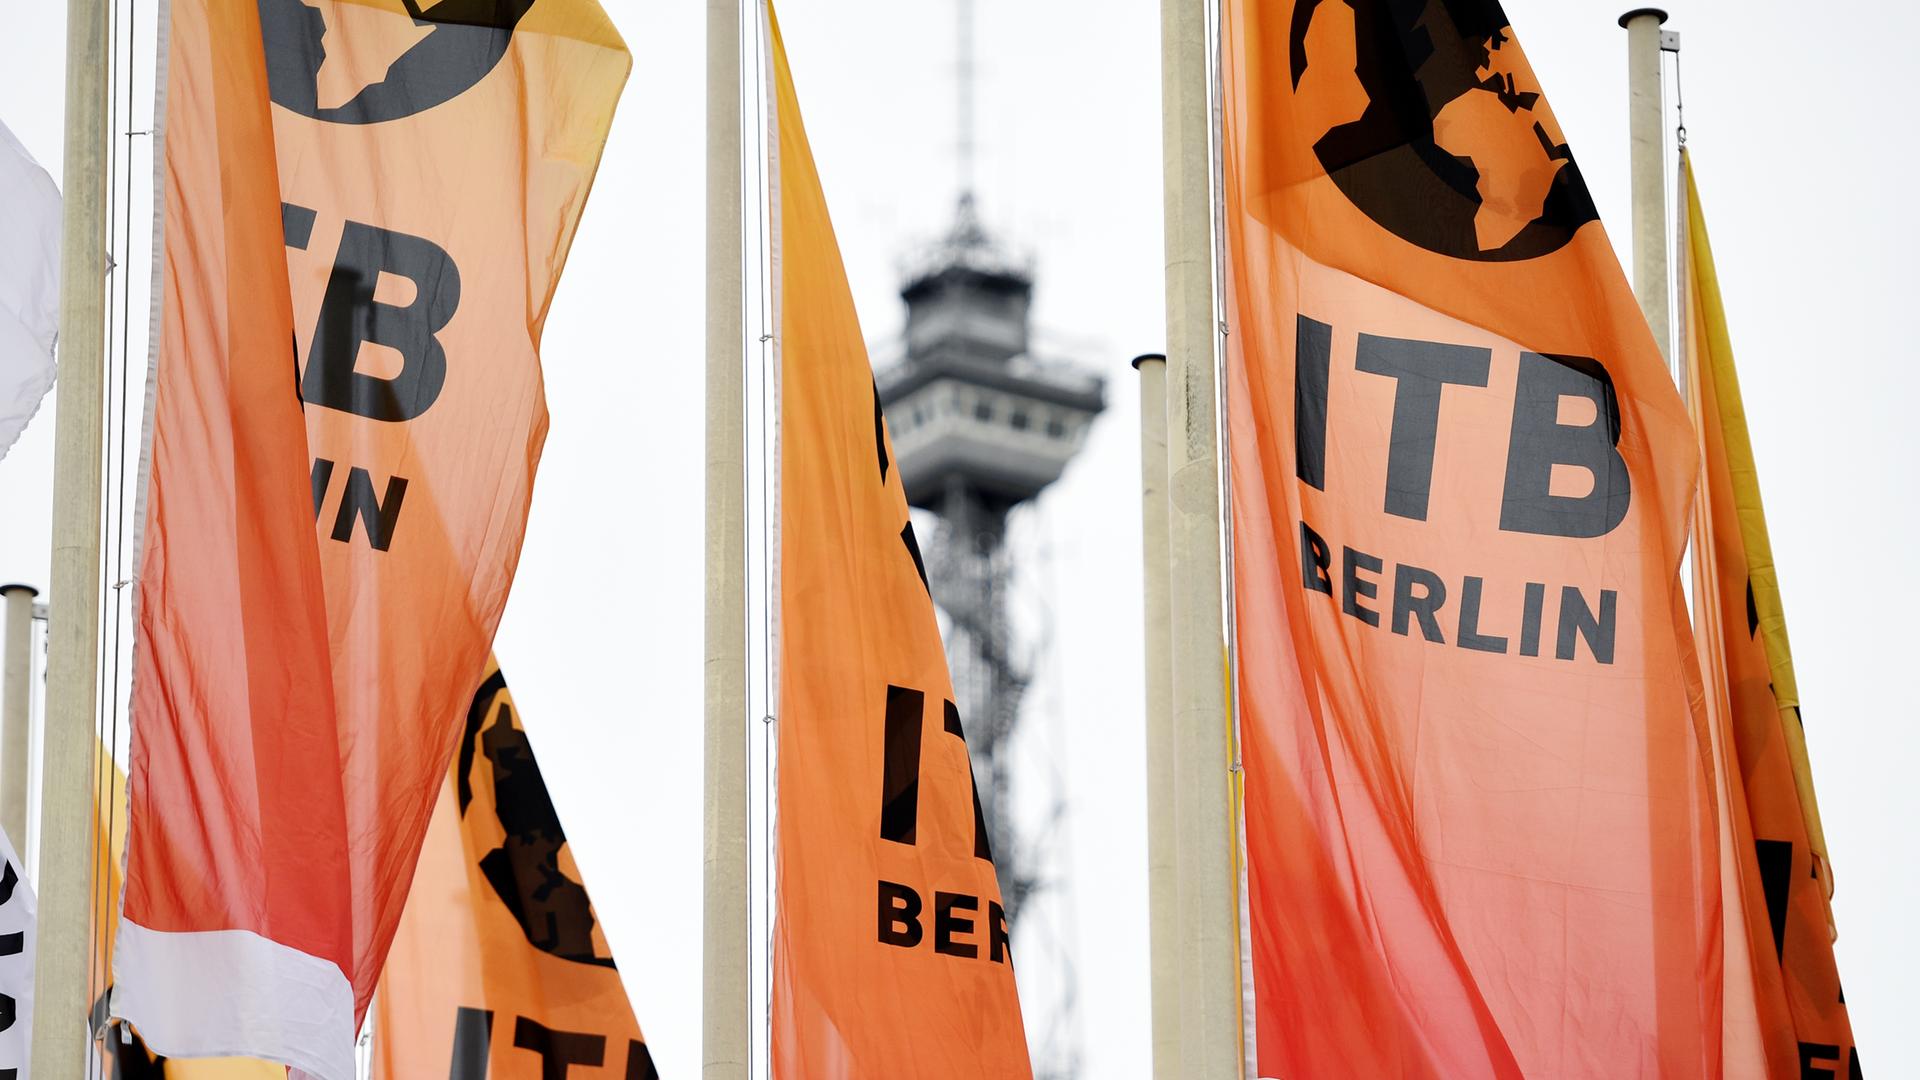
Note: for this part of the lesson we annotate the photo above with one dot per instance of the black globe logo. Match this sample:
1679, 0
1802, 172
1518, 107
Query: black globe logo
551, 906
462, 41
1439, 132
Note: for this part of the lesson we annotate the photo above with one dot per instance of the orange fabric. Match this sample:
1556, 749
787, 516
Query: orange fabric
232, 803
1795, 985
1479, 800
323, 573
537, 976
878, 823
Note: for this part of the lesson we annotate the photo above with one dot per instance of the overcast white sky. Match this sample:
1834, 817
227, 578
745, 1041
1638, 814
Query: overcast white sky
1795, 113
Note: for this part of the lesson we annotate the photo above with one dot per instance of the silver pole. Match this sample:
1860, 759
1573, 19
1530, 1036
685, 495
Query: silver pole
1647, 133
73, 626
726, 1034
1163, 881
1209, 935
16, 698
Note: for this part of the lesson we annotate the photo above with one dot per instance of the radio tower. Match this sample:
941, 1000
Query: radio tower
980, 426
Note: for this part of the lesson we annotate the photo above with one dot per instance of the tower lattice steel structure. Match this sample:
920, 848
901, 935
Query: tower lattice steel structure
982, 425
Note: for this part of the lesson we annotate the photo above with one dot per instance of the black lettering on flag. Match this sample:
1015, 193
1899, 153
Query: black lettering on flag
1406, 605
1776, 877
899, 915
472, 1043
321, 480
913, 549
558, 1050
1470, 636
982, 843
1578, 620
9, 880
999, 941
1819, 1061
1316, 561
946, 924
1530, 619
900, 781
1540, 441
1420, 370
640, 1062
880, 433
296, 225
1312, 355
380, 514
350, 317
1353, 586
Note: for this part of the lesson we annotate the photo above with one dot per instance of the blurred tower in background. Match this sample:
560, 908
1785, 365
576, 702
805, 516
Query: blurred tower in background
981, 425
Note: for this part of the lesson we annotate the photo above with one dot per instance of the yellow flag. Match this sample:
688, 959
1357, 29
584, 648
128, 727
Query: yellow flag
1779, 857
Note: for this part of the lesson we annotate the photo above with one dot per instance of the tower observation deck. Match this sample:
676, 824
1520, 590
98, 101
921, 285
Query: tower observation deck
983, 424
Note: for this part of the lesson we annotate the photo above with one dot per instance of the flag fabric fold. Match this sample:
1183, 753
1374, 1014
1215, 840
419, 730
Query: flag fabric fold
1479, 801
347, 419
1776, 860
29, 286
891, 958
500, 967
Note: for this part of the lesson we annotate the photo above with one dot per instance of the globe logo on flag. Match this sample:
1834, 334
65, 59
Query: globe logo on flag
365, 63
1428, 117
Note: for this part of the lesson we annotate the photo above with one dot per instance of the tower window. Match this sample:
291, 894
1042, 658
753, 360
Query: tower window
983, 410
1056, 428
1018, 420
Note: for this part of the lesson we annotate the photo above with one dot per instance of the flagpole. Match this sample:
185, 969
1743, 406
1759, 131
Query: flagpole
1208, 943
73, 629
1163, 882
726, 1033
1648, 137
14, 709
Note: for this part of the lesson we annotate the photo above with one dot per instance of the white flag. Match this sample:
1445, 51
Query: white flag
29, 285
16, 964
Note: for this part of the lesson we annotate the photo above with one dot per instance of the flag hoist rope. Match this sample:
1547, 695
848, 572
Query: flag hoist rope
1208, 931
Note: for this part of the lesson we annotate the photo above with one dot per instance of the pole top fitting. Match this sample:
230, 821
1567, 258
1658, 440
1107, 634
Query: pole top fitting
14, 587
1144, 357
1659, 14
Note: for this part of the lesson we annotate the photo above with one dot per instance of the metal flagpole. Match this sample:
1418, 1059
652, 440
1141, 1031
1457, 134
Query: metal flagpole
15, 699
1648, 134
73, 629
1208, 941
1163, 882
724, 1016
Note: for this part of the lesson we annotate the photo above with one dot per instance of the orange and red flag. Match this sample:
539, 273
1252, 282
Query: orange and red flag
1479, 806
330, 539
500, 968
891, 958
1777, 858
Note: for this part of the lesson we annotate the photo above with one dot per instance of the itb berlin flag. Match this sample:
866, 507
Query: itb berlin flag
891, 955
1480, 818
29, 285
368, 205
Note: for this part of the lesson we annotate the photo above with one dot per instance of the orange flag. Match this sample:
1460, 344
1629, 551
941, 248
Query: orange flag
891, 958
1778, 855
500, 968
330, 540
1479, 806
